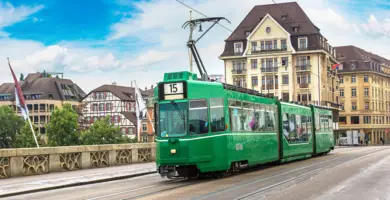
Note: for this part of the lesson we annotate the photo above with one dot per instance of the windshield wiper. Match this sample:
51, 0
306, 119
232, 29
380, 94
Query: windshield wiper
178, 110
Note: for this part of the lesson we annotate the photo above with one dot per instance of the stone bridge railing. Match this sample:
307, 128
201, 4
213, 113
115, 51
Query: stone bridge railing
35, 161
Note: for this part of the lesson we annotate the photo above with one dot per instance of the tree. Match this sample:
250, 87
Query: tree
10, 124
25, 138
103, 132
62, 130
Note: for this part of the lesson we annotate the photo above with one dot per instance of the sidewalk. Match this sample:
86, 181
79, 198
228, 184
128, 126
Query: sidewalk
26, 184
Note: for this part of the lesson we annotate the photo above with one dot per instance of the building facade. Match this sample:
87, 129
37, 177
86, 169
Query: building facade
147, 131
42, 93
277, 50
117, 102
364, 94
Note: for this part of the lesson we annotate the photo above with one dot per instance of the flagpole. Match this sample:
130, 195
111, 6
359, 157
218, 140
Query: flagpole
32, 129
22, 105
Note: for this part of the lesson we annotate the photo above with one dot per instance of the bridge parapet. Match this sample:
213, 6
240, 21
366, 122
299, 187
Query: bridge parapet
35, 161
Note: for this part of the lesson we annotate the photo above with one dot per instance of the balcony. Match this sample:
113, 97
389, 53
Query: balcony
239, 71
269, 87
304, 85
269, 69
304, 67
268, 51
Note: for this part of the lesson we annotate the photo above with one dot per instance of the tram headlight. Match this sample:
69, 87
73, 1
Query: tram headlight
173, 151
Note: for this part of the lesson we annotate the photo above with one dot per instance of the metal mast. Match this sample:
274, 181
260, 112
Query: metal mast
191, 42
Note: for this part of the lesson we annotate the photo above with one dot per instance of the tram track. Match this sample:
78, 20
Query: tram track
314, 172
267, 181
224, 193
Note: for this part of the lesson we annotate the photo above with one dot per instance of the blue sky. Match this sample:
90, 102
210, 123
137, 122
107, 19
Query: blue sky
98, 42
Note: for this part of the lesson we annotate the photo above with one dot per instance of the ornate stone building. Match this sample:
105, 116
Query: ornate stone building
364, 93
277, 50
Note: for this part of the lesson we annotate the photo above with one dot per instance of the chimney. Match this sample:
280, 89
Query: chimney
151, 87
146, 88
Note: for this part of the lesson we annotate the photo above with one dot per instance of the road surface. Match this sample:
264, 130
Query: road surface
361, 173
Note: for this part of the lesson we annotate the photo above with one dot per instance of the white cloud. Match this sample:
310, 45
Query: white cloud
10, 15
159, 24
377, 28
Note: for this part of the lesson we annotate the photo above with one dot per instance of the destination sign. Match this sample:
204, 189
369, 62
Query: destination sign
173, 91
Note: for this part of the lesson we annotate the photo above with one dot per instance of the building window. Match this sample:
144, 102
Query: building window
341, 79
353, 92
285, 79
355, 120
341, 92
283, 44
286, 96
268, 45
144, 127
254, 63
354, 106
367, 105
353, 79
254, 46
255, 81
101, 107
247, 33
238, 47
302, 42
365, 78
284, 61
144, 138
366, 93
342, 106
367, 119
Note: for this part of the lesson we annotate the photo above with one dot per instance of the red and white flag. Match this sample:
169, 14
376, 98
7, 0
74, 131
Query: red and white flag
19, 98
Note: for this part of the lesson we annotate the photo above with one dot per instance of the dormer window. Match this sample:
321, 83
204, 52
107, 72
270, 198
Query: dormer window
302, 43
247, 33
238, 47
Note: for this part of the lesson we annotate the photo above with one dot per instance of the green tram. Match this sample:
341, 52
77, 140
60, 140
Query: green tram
205, 127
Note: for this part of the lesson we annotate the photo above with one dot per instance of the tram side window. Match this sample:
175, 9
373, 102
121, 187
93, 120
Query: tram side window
309, 125
248, 116
286, 126
270, 118
318, 124
235, 111
330, 123
293, 128
198, 117
217, 115
260, 117
302, 132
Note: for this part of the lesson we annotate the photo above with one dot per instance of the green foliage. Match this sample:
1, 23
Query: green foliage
25, 138
62, 130
10, 124
103, 132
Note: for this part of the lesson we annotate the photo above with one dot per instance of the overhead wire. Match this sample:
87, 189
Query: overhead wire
202, 14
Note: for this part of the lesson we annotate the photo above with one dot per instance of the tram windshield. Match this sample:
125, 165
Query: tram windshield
172, 119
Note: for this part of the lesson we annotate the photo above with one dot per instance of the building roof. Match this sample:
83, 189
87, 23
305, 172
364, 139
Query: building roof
38, 86
360, 58
131, 116
122, 92
287, 15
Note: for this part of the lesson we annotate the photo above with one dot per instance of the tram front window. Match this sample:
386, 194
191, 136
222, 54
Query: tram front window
173, 117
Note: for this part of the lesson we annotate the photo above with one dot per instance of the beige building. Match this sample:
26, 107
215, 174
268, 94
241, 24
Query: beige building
42, 93
277, 50
364, 93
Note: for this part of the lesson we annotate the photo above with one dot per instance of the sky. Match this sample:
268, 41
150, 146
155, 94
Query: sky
95, 42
